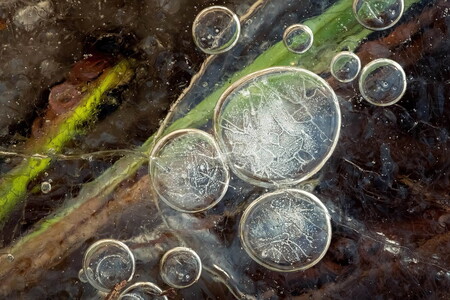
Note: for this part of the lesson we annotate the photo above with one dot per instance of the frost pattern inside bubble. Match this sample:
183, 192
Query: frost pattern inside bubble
216, 29
345, 66
278, 126
180, 267
378, 14
188, 172
287, 230
382, 82
298, 38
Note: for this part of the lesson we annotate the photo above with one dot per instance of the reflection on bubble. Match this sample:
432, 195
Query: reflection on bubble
382, 82
180, 267
277, 126
216, 29
188, 171
345, 66
378, 14
286, 231
142, 291
46, 187
298, 38
107, 263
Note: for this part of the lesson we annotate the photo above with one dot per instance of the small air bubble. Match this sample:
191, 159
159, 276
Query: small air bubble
46, 187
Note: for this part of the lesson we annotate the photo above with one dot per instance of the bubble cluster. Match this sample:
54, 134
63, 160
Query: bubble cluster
286, 231
382, 82
277, 126
345, 66
378, 14
298, 38
216, 29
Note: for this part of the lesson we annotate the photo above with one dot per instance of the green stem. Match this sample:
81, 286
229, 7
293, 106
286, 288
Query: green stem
14, 185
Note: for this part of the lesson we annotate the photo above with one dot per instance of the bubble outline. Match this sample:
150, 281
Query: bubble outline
304, 28
180, 249
402, 9
344, 53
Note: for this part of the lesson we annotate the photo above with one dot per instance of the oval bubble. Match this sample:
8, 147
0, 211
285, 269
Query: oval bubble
378, 14
277, 126
286, 231
180, 267
298, 38
142, 291
382, 82
187, 170
345, 66
107, 263
216, 29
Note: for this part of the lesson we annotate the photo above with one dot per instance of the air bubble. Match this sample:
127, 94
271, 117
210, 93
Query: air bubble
277, 126
180, 267
345, 66
107, 263
286, 231
378, 14
188, 171
142, 291
298, 38
46, 187
216, 29
382, 82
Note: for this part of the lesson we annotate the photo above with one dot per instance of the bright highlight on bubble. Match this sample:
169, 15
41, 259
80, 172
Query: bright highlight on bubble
180, 267
46, 187
107, 263
298, 38
382, 82
345, 66
188, 172
277, 126
216, 29
378, 14
286, 231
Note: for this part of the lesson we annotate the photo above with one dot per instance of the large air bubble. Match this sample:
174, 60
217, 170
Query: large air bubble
188, 171
277, 126
286, 231
298, 38
345, 66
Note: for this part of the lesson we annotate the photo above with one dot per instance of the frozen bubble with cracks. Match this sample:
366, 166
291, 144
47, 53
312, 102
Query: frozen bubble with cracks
286, 231
180, 267
46, 187
142, 291
345, 66
382, 82
378, 14
106, 263
298, 38
278, 126
188, 171
216, 29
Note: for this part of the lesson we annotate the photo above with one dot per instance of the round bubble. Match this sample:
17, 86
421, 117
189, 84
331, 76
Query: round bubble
107, 263
298, 38
277, 126
188, 171
180, 267
345, 66
286, 231
46, 187
142, 291
216, 29
378, 14
382, 82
